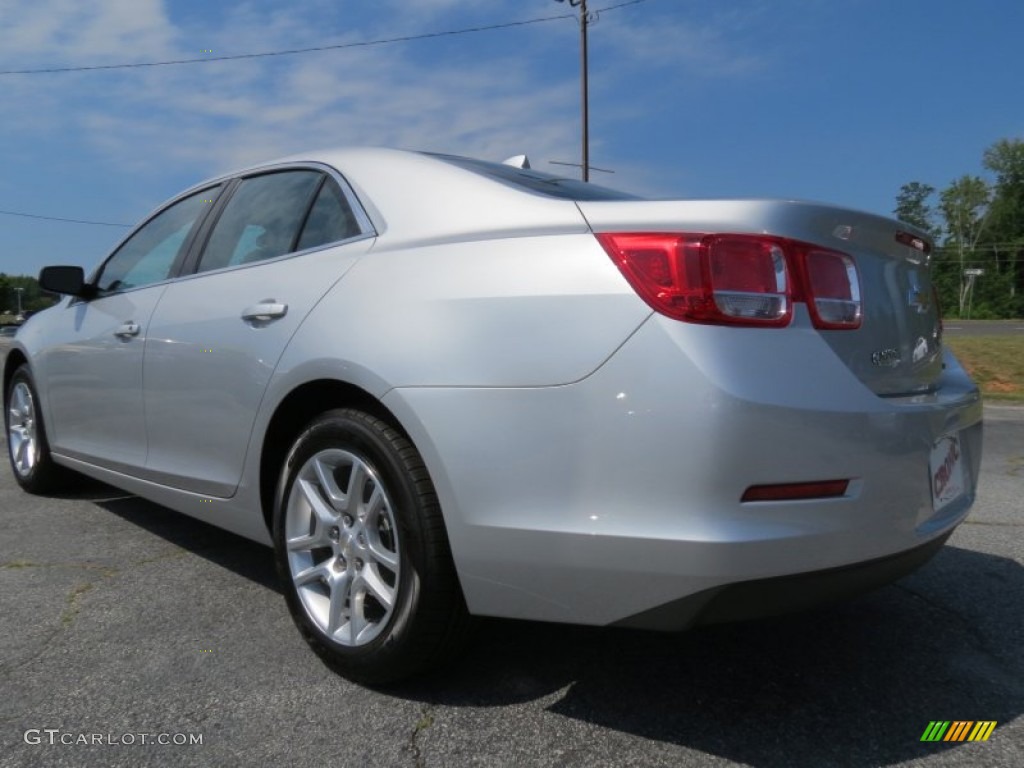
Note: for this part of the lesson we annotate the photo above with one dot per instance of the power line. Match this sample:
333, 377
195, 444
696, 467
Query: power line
365, 43
315, 49
58, 218
295, 51
1010, 244
290, 52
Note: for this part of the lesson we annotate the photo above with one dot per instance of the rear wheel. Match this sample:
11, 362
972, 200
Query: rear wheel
27, 447
361, 548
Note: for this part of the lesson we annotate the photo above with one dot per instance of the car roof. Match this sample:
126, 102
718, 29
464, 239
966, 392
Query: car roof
413, 195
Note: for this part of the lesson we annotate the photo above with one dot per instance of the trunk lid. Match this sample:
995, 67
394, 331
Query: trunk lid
897, 349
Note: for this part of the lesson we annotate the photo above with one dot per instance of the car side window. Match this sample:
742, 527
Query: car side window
149, 254
330, 220
261, 220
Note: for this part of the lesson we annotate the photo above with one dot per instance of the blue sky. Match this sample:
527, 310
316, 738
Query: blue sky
834, 100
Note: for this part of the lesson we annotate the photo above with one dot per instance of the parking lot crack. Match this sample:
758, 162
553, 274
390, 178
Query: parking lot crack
975, 637
72, 603
173, 555
425, 720
105, 571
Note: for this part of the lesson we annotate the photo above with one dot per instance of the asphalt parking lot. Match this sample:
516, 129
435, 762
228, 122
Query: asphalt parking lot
118, 617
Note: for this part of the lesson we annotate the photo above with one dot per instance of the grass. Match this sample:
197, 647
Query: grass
995, 362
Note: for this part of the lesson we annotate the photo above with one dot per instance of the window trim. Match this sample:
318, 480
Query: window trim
185, 263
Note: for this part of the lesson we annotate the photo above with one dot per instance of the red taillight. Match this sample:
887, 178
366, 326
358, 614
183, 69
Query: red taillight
749, 279
826, 489
833, 289
737, 279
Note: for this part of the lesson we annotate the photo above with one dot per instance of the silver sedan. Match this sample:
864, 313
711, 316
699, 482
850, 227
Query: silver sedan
441, 388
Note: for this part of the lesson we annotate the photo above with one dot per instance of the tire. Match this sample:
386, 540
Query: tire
362, 551
27, 447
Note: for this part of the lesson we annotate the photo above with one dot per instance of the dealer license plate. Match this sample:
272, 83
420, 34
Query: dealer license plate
947, 472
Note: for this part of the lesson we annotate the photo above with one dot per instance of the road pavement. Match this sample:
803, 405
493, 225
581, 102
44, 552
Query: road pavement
119, 618
954, 327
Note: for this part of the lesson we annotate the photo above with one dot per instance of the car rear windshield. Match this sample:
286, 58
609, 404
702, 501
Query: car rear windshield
536, 181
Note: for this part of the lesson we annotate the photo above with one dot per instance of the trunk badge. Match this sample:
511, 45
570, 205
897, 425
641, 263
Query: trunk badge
886, 358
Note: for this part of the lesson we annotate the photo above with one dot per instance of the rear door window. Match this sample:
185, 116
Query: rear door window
331, 218
262, 220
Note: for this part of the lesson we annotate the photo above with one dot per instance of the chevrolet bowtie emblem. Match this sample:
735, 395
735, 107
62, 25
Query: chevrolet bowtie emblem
918, 299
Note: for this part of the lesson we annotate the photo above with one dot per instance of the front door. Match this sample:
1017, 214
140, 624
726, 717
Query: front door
94, 373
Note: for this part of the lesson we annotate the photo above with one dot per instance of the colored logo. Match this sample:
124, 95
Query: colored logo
958, 730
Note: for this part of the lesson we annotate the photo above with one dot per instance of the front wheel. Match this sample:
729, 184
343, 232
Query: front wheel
361, 547
27, 446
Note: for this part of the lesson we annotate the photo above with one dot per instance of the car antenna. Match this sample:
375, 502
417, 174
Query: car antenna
517, 161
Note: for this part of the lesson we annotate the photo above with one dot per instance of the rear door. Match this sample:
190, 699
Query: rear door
278, 245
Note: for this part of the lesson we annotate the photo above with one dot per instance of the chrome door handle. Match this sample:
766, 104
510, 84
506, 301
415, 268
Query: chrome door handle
127, 329
265, 311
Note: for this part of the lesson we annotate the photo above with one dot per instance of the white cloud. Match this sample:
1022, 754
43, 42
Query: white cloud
217, 116
55, 32
710, 45
222, 115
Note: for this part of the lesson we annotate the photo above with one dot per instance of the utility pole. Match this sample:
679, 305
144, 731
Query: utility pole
19, 290
584, 86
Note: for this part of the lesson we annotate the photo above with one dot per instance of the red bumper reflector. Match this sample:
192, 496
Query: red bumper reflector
824, 489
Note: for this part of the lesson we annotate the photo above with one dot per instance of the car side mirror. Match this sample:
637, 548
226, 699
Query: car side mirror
69, 281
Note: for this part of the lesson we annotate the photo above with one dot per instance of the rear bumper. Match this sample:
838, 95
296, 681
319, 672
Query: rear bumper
783, 594
600, 501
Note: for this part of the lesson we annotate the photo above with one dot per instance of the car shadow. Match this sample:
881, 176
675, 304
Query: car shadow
852, 684
228, 550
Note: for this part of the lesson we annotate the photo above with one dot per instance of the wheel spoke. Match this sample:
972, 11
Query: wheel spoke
21, 454
356, 481
356, 617
324, 515
373, 507
19, 400
382, 556
372, 583
340, 596
309, 541
318, 572
325, 475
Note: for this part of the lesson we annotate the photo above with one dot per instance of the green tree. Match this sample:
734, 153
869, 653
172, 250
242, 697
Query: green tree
965, 206
1005, 231
981, 226
6, 294
913, 207
31, 296
1005, 159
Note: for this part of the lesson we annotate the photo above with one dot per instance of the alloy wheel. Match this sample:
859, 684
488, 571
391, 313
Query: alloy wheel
342, 546
21, 429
